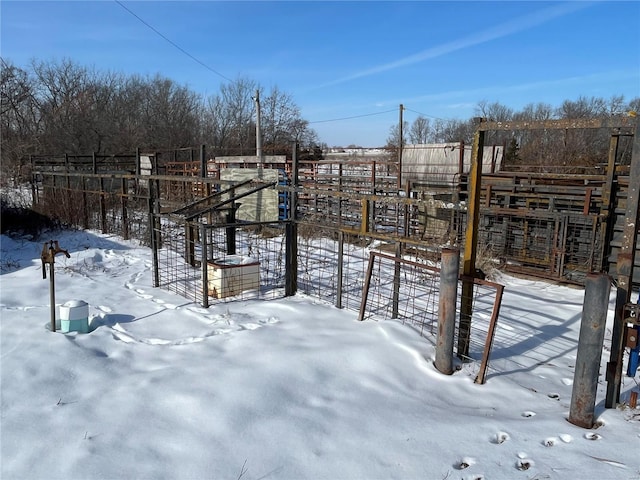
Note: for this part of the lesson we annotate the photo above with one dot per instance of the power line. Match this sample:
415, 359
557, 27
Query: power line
355, 116
173, 43
424, 114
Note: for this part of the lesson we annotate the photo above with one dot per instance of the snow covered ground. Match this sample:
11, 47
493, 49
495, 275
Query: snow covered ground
282, 389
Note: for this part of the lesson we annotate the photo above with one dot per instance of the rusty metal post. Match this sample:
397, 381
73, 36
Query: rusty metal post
482, 374
400, 147
204, 264
365, 220
395, 302
592, 327
607, 207
231, 230
103, 207
291, 230
123, 203
340, 269
450, 264
366, 286
153, 236
624, 280
52, 294
85, 209
48, 258
471, 242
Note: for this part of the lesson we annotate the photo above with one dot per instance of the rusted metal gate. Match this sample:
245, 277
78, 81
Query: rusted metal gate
616, 233
544, 224
557, 226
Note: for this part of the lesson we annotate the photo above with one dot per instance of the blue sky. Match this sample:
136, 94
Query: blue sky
350, 59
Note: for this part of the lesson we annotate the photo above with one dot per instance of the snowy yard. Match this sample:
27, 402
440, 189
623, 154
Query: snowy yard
292, 388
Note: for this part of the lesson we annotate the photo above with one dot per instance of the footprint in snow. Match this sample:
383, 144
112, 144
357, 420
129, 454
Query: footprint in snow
567, 381
524, 464
500, 437
104, 309
550, 441
200, 310
592, 436
465, 462
249, 326
122, 336
528, 414
270, 320
170, 306
566, 438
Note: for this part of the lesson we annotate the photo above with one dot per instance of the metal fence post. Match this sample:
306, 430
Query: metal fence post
340, 269
291, 228
205, 266
471, 242
450, 265
153, 237
624, 269
395, 301
592, 327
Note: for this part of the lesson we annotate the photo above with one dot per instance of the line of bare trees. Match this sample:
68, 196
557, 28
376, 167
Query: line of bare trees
533, 147
57, 107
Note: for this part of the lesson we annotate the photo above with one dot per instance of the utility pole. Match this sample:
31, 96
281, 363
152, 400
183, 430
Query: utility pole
258, 131
400, 149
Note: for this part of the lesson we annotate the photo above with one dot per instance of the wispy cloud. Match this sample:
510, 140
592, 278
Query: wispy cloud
505, 29
544, 85
469, 98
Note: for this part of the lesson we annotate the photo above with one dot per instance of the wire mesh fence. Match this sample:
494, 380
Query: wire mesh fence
197, 261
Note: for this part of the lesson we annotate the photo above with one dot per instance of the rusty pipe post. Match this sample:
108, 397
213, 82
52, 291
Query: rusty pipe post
450, 265
52, 296
52, 285
592, 327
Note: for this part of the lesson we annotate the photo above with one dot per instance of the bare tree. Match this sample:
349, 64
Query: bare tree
170, 114
420, 131
61, 92
498, 113
229, 120
393, 139
531, 147
282, 123
19, 118
62, 107
453, 130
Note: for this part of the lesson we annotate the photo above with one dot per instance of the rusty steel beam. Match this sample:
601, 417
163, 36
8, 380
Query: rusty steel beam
366, 286
471, 244
626, 123
624, 276
607, 207
482, 374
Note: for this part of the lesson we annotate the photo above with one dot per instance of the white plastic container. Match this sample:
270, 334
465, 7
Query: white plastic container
232, 275
74, 316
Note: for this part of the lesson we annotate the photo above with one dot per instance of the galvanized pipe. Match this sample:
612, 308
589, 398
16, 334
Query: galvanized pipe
592, 328
450, 265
